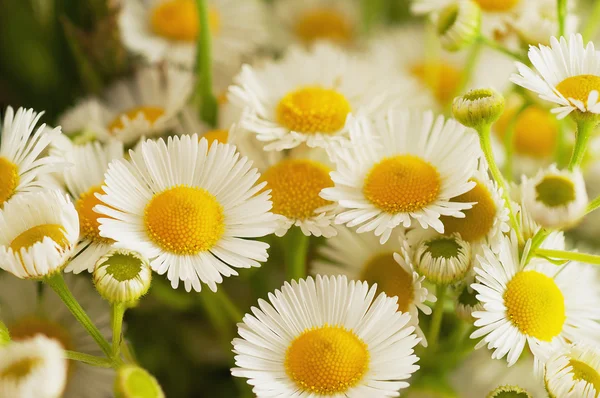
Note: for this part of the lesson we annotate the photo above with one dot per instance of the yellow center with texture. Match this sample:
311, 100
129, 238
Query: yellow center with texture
88, 218
535, 305
579, 87
327, 360
295, 187
184, 220
311, 110
9, 179
323, 24
581, 371
497, 5
36, 234
391, 279
151, 114
402, 184
178, 20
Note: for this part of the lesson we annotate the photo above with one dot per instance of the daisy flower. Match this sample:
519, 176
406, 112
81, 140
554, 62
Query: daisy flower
362, 257
29, 309
84, 181
21, 148
32, 368
533, 305
167, 30
144, 105
574, 372
326, 337
187, 207
38, 234
305, 22
308, 94
400, 169
566, 73
537, 21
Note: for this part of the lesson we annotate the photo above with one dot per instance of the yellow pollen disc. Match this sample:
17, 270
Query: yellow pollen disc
391, 279
295, 186
323, 24
28, 327
184, 220
151, 114
442, 79
478, 220
402, 184
497, 5
535, 305
535, 131
581, 371
216, 135
37, 234
9, 179
88, 218
313, 110
178, 20
555, 191
579, 87
327, 360
20, 369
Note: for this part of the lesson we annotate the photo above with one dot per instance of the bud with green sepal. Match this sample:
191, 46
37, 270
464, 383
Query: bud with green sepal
135, 382
122, 276
458, 25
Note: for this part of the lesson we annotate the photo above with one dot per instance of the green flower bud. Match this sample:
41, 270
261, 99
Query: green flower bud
458, 25
135, 382
122, 276
509, 392
479, 107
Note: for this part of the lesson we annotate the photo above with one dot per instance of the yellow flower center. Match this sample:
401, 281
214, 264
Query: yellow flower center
30, 326
9, 179
391, 279
327, 360
313, 110
217, 135
88, 218
184, 220
579, 87
535, 305
295, 186
323, 24
535, 131
497, 5
151, 114
178, 20
478, 220
555, 191
20, 369
442, 79
37, 234
581, 371
402, 184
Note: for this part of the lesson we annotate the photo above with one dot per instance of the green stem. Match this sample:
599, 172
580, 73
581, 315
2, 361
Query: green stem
486, 147
371, 13
591, 25
89, 359
571, 256
467, 72
494, 45
208, 102
296, 248
593, 205
436, 320
561, 9
584, 131
230, 308
118, 311
57, 283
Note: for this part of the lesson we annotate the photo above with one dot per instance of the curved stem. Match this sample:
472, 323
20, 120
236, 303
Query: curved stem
57, 283
584, 131
208, 102
295, 251
89, 359
500, 48
229, 306
436, 320
593, 205
118, 311
571, 256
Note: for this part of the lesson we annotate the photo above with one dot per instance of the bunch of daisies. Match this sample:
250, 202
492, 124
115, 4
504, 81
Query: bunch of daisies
425, 204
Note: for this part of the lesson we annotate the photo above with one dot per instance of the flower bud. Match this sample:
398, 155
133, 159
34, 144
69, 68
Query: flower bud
4, 335
135, 382
467, 303
458, 25
509, 392
122, 276
443, 259
478, 107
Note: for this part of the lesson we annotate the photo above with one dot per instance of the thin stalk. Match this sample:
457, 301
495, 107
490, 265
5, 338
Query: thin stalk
436, 320
230, 308
295, 252
208, 102
118, 311
89, 359
584, 131
57, 283
561, 11
593, 205
500, 48
571, 256
591, 25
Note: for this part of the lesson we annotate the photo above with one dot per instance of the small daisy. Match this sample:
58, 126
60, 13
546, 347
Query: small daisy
466, 301
144, 105
308, 21
555, 198
188, 208
326, 337
362, 257
574, 372
535, 305
537, 21
567, 73
35, 367
84, 181
400, 169
21, 159
307, 95
29, 309
167, 30
38, 234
